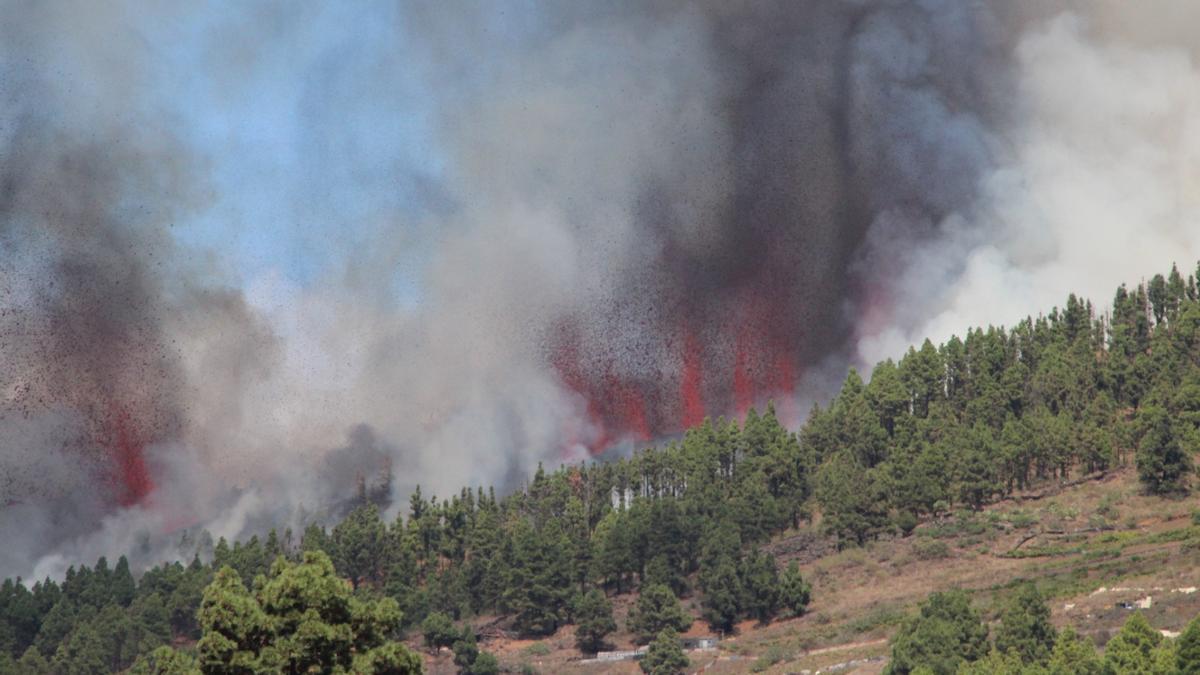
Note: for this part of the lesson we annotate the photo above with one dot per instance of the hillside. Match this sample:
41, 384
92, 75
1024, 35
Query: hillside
1057, 451
1088, 546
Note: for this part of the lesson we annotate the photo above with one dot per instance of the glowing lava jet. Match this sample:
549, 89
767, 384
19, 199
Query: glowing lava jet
695, 368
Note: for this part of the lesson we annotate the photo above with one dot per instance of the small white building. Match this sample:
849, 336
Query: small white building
705, 642
622, 655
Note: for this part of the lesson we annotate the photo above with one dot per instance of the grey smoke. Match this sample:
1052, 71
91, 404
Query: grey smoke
873, 171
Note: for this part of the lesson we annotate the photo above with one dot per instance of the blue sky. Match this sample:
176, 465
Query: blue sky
314, 126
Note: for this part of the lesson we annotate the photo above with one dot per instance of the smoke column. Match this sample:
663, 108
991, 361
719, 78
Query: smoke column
527, 235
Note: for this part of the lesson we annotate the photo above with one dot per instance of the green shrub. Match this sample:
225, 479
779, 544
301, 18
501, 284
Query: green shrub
931, 550
1108, 507
537, 649
879, 618
1022, 519
774, 654
906, 522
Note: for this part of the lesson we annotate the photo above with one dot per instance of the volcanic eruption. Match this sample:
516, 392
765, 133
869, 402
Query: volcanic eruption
754, 240
245, 264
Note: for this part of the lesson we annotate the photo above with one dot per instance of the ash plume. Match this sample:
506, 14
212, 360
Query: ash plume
641, 213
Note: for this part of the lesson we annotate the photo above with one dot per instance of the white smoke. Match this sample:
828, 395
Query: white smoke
1099, 185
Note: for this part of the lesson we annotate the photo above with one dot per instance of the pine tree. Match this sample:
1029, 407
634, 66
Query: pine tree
858, 431
794, 592
922, 371
665, 656
21, 613
314, 539
1074, 655
185, 599
96, 586
122, 584
1164, 658
975, 470
576, 527
1187, 652
1159, 298
360, 546
122, 637
481, 571
760, 585
234, 625
83, 652
32, 663
752, 508
57, 624
612, 557
1164, 465
945, 633
887, 396
593, 621
853, 498
660, 571
447, 592
153, 621
403, 579
300, 618
722, 588
1131, 651
1025, 626
657, 609
539, 583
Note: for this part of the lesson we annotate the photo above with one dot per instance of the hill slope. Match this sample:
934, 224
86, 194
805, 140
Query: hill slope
1089, 546
944, 469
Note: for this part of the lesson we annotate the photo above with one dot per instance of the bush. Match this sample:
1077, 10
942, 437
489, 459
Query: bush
879, 618
1108, 507
485, 664
470, 660
438, 630
906, 522
931, 550
774, 654
1021, 519
465, 650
